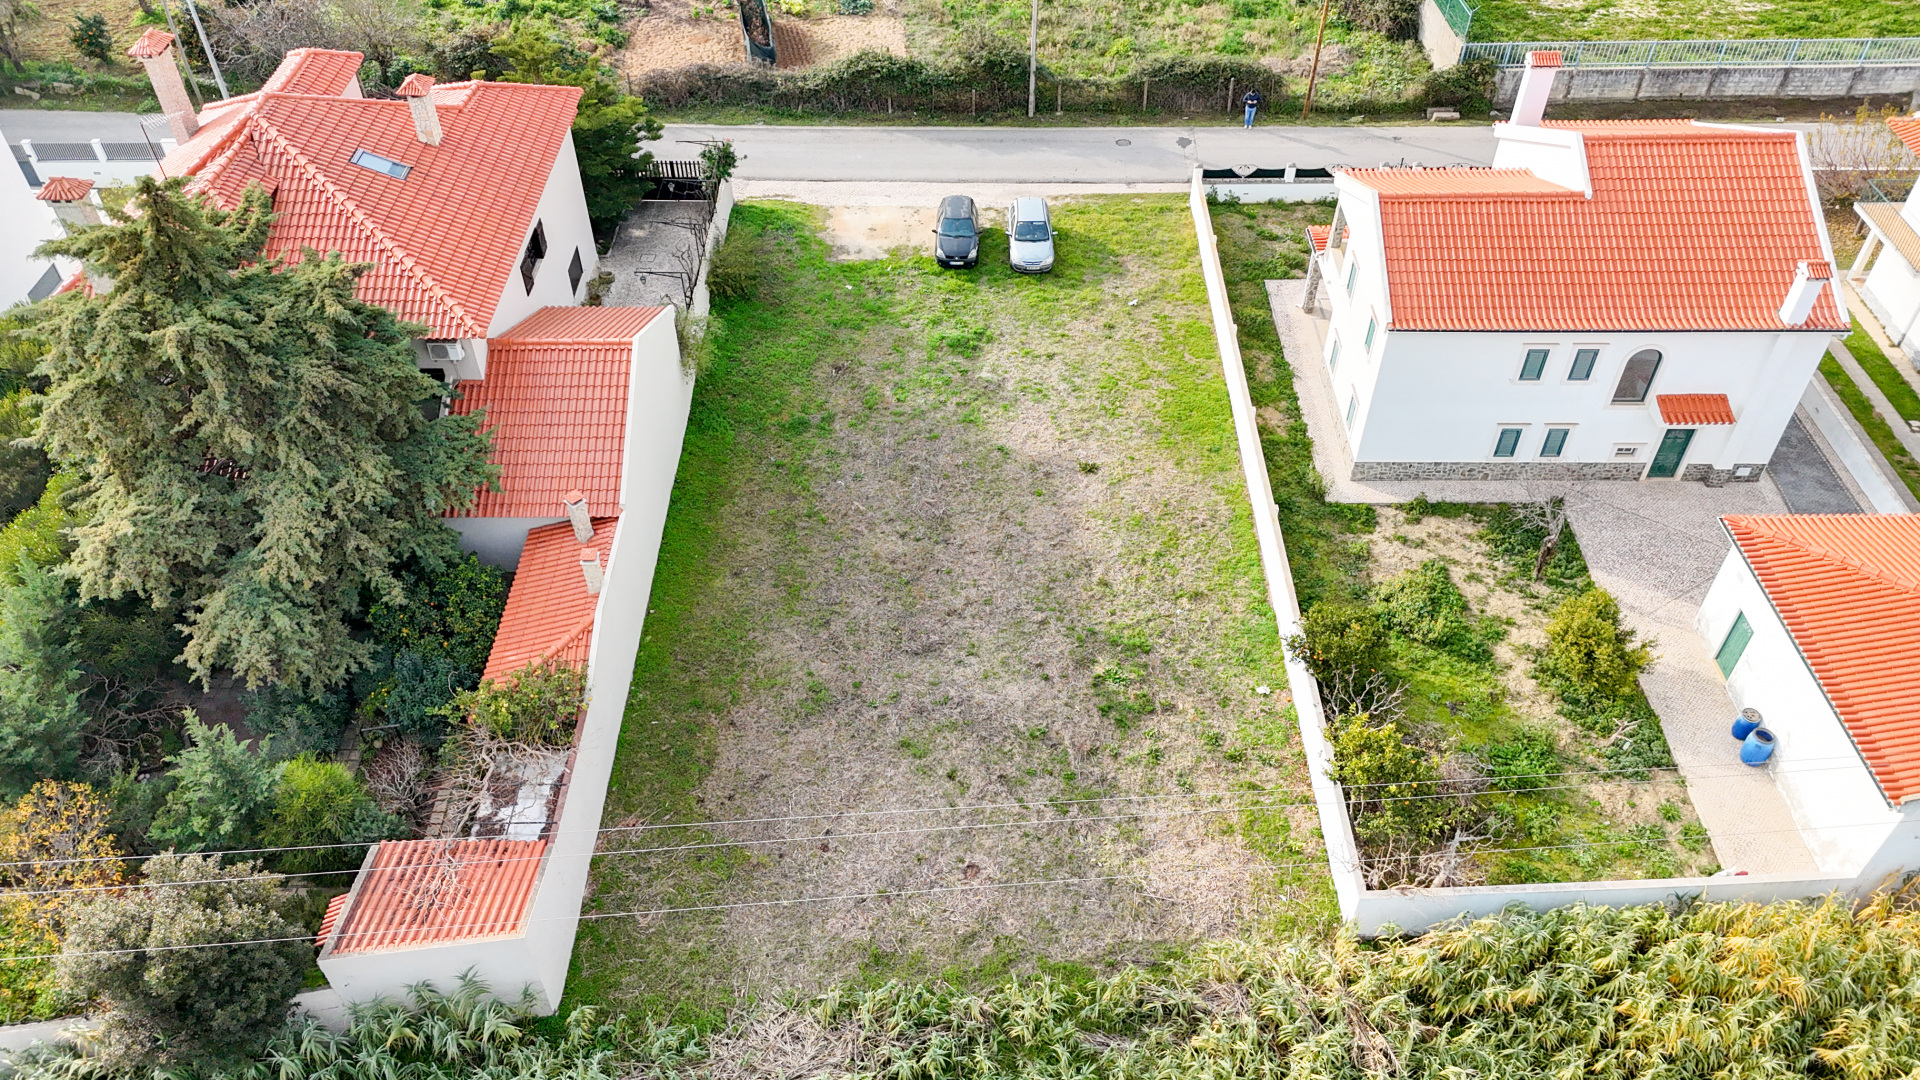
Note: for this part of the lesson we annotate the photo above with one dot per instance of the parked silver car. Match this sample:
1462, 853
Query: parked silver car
1030, 236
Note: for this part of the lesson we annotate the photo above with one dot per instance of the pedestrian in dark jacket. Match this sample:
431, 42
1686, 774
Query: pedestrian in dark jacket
1252, 102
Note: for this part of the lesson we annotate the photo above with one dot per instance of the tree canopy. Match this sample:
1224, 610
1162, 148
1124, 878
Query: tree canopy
245, 436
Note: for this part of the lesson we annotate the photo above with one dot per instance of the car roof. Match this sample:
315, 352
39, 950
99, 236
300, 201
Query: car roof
955, 204
1030, 208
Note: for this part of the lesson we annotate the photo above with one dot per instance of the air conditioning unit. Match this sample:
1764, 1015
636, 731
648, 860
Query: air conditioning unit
448, 352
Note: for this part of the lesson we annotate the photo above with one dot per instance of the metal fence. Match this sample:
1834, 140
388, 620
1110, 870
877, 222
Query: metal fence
1784, 52
1459, 15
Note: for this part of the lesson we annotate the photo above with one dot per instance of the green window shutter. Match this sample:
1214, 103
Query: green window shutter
1534, 365
1734, 645
1556, 442
1583, 362
1509, 442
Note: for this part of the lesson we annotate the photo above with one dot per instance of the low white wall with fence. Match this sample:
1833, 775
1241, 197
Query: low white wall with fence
1688, 70
717, 235
1377, 911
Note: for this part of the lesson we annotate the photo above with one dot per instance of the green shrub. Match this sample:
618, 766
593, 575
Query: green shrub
415, 699
91, 38
452, 612
1524, 763
1587, 646
538, 704
735, 271
300, 723
320, 803
1340, 641
1469, 83
1424, 605
1384, 779
36, 532
1396, 19
222, 791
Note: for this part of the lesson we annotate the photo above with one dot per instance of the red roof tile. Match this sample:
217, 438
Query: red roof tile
76, 280
415, 85
1692, 410
446, 240
1690, 227
332, 918
556, 401
1847, 586
549, 612
151, 44
1544, 58
421, 893
64, 189
1907, 130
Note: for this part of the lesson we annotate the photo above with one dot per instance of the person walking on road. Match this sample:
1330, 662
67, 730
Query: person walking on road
1252, 102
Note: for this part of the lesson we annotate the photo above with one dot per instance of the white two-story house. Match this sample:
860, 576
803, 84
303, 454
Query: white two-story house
1610, 300
1886, 273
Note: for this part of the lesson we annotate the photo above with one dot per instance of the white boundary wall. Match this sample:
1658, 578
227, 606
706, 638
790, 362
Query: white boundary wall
658, 398
1377, 911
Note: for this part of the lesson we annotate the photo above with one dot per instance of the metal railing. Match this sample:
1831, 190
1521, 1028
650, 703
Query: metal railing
1888, 189
1459, 15
1782, 52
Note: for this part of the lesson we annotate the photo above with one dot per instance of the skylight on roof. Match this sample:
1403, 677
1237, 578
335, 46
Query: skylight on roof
367, 159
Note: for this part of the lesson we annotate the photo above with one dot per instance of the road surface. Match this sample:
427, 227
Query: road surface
1159, 155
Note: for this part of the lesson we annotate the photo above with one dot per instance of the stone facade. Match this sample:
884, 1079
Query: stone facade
1497, 470
1706, 474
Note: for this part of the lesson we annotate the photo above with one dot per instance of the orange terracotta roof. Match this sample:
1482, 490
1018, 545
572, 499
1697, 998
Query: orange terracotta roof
1462, 183
1690, 227
1847, 586
446, 240
421, 893
549, 612
332, 918
76, 280
556, 402
415, 85
1544, 58
64, 189
151, 44
1907, 130
1693, 410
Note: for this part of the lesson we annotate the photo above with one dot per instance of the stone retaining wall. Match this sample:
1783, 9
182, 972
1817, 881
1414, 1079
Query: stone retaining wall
1497, 470
1637, 83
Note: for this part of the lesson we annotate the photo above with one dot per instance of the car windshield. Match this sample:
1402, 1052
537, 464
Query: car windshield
956, 226
1031, 231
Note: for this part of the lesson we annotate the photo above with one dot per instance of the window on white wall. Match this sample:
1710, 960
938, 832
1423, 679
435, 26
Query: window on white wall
1734, 644
1555, 443
1636, 379
1535, 365
1353, 408
1353, 275
1373, 323
1508, 444
1583, 361
576, 270
1333, 355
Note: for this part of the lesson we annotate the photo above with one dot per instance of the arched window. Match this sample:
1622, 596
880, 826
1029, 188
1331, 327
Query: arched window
1637, 377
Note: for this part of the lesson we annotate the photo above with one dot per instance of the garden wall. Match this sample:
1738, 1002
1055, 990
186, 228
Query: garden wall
1630, 82
1438, 37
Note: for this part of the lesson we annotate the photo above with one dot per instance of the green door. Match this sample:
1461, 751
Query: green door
1666, 463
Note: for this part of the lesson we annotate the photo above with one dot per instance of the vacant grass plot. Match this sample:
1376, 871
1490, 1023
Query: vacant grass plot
1603, 20
975, 548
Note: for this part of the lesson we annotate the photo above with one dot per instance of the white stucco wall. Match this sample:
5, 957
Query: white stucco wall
1472, 380
563, 209
28, 224
1842, 815
1892, 292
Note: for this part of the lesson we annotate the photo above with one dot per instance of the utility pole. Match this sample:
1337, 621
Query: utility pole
1312, 74
207, 47
1033, 56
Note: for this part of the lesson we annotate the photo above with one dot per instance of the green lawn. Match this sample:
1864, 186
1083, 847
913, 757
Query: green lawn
953, 538
1881, 370
1603, 20
1870, 418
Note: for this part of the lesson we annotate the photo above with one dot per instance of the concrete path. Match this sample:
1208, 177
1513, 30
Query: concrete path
1130, 155
1656, 547
1807, 480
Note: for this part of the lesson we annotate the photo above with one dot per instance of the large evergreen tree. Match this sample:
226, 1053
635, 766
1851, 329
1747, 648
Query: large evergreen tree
248, 437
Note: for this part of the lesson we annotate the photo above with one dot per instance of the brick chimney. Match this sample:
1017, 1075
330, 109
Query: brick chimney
1536, 86
576, 506
1811, 276
71, 201
154, 50
418, 90
590, 568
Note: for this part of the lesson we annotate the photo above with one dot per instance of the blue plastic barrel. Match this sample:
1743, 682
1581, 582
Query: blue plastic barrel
1745, 723
1757, 748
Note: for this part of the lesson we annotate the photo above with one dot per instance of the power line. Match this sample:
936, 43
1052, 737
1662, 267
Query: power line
741, 904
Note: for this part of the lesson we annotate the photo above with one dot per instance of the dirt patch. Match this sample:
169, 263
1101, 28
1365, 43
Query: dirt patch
874, 232
679, 33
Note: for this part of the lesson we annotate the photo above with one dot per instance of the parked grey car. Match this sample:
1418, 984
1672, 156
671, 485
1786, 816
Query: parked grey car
957, 241
1030, 236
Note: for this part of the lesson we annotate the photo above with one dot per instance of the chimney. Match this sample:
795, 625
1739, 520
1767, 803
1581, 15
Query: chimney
576, 504
1808, 280
590, 567
1536, 86
418, 90
70, 200
154, 50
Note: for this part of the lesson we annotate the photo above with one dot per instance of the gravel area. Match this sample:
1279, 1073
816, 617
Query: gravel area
657, 248
1656, 548
1807, 480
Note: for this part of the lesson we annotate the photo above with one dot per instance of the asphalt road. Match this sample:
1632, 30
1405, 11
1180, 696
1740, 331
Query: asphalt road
1066, 155
69, 125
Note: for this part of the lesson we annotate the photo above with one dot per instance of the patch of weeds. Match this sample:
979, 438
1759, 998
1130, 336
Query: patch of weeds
1670, 812
917, 749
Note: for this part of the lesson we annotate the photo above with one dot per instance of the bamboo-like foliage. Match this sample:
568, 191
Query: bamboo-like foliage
1713, 990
